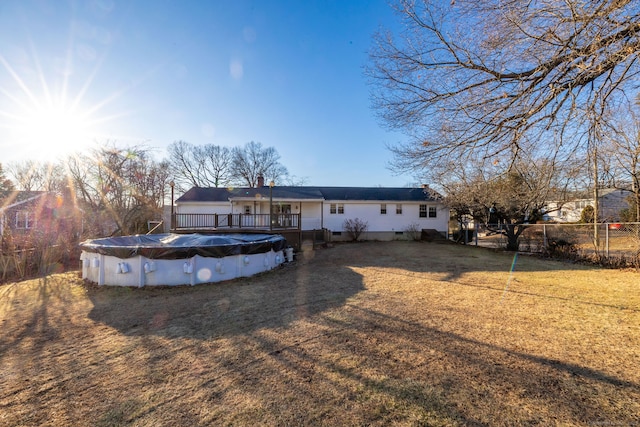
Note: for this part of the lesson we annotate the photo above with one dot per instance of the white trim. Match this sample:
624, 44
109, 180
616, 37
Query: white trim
263, 198
13, 205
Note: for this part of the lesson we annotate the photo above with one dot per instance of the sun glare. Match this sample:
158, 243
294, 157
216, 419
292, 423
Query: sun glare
42, 127
44, 118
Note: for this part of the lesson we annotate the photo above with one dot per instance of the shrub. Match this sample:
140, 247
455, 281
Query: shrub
586, 217
355, 227
562, 249
36, 253
414, 231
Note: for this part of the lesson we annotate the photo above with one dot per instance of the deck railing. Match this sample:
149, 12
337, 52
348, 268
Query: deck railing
181, 221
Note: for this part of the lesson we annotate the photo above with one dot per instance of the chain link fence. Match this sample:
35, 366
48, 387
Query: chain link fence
610, 240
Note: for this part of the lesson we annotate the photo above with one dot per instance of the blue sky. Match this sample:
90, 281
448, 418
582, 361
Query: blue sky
288, 74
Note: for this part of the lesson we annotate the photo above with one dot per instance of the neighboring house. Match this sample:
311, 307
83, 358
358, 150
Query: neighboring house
389, 212
25, 213
611, 202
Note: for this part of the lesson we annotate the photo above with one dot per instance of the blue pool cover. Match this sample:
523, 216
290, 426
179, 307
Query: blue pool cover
180, 246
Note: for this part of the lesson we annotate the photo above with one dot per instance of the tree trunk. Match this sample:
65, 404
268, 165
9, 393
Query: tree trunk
596, 207
512, 237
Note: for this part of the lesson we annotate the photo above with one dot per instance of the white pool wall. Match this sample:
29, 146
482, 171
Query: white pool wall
141, 271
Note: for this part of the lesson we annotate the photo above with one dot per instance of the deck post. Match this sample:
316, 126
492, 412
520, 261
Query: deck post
172, 224
271, 185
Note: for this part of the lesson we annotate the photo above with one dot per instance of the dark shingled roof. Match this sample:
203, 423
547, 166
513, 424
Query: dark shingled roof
379, 193
199, 194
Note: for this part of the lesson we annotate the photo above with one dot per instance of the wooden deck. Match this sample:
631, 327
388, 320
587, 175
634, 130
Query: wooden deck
188, 222
288, 225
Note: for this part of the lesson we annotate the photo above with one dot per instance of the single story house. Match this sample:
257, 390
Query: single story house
24, 214
390, 213
611, 201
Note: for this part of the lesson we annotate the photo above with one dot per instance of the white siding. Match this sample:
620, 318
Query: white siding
311, 215
316, 215
204, 208
370, 212
610, 206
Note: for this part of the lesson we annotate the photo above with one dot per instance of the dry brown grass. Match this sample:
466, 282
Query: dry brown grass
360, 334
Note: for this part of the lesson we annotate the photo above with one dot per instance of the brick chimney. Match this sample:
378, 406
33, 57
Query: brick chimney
260, 181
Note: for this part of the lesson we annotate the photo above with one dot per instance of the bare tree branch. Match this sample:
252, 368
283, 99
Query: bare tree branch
252, 160
480, 75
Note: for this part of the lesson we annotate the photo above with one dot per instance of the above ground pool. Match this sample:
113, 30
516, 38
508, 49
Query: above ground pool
180, 259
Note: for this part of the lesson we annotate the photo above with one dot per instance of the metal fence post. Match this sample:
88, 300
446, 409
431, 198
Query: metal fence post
475, 228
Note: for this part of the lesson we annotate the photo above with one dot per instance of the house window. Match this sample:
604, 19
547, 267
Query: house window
336, 208
282, 209
23, 219
398, 209
247, 209
383, 209
432, 212
423, 211
336, 233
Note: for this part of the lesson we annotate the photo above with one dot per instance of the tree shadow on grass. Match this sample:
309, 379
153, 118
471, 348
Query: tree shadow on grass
36, 317
385, 369
455, 366
276, 298
383, 364
269, 300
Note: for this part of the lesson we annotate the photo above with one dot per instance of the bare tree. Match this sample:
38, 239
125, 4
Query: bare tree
620, 157
199, 165
119, 188
31, 175
294, 181
511, 198
253, 160
476, 77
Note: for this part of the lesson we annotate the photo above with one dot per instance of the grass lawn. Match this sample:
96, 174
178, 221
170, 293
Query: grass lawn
398, 333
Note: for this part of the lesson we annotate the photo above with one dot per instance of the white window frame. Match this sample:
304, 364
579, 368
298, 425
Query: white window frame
23, 220
336, 208
398, 208
432, 212
422, 211
383, 208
